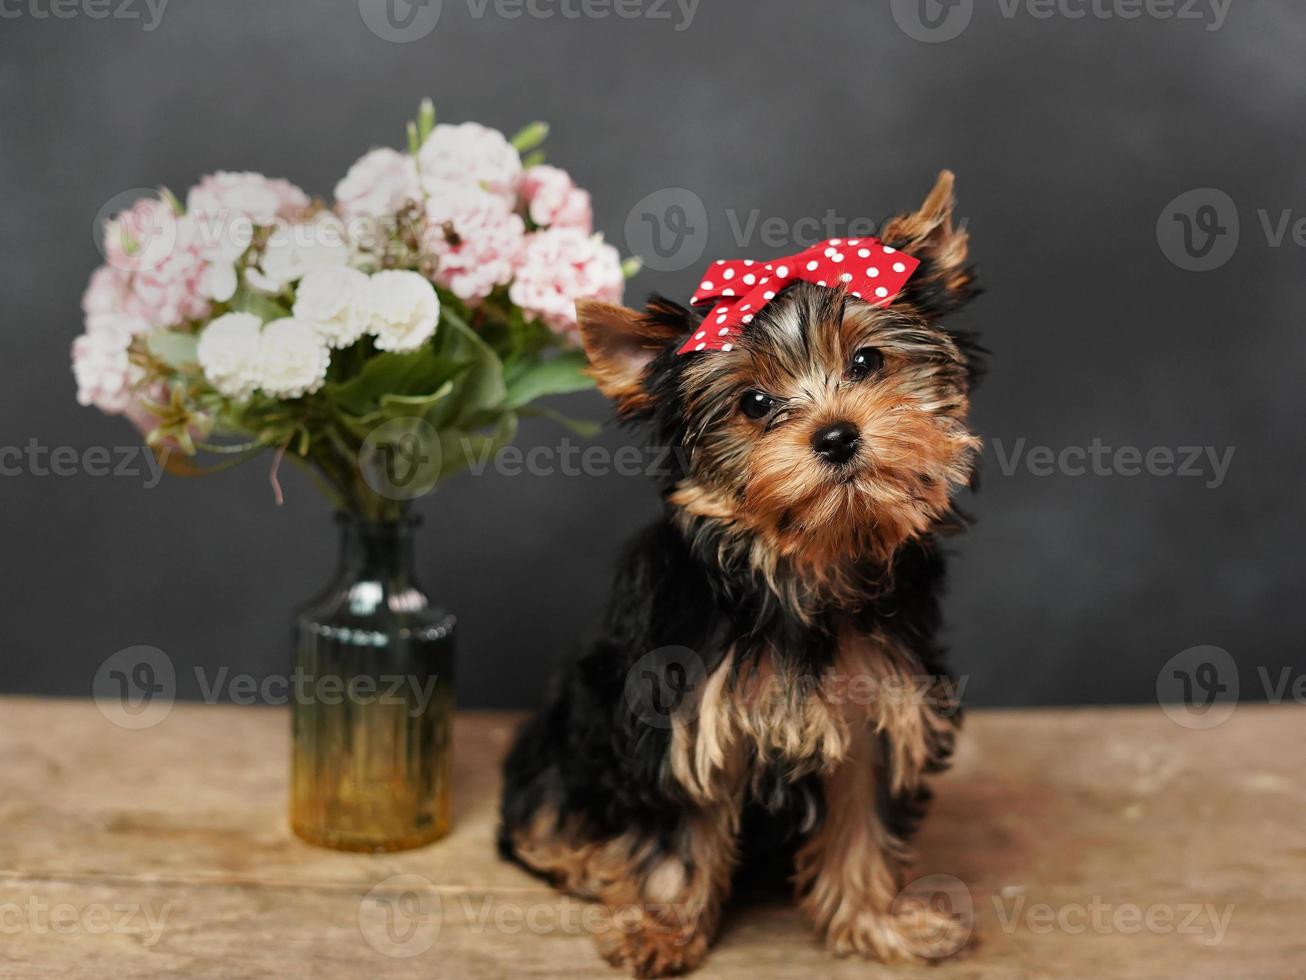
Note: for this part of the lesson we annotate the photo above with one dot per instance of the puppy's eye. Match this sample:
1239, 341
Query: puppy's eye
756, 404
865, 362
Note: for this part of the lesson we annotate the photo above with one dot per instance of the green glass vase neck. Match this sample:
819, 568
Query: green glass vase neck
381, 550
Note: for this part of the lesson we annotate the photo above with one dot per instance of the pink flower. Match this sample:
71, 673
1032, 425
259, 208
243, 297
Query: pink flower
156, 270
249, 194
105, 376
141, 237
554, 201
476, 238
108, 291
560, 266
173, 291
378, 185
472, 154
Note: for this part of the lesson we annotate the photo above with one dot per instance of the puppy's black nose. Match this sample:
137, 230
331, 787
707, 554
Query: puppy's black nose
836, 443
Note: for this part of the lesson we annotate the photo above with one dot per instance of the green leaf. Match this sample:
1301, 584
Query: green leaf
530, 137
264, 307
460, 448
561, 374
414, 143
425, 121
631, 266
177, 350
479, 392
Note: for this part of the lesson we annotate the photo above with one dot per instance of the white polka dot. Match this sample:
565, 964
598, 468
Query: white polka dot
881, 292
723, 331
863, 253
783, 272
857, 294
749, 262
728, 274
749, 318
700, 335
888, 250
899, 267
854, 241
727, 346
821, 283
746, 307
768, 295
830, 251
727, 292
846, 277
750, 279
836, 241
721, 318
706, 286
873, 272
765, 280
769, 268
720, 261
838, 256
700, 346
813, 266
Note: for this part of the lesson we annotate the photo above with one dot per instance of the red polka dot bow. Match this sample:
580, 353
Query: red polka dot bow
865, 267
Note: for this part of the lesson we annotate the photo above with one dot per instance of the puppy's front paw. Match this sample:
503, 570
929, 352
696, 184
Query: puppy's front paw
912, 932
653, 949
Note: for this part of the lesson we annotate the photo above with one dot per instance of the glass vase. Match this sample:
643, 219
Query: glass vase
372, 700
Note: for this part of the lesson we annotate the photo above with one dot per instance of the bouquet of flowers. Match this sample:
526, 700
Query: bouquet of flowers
437, 295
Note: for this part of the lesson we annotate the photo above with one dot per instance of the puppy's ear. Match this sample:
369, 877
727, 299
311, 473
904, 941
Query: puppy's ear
620, 344
945, 281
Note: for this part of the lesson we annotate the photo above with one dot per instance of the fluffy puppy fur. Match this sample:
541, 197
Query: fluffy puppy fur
787, 599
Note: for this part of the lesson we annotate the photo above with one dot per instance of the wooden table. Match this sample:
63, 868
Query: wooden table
1094, 843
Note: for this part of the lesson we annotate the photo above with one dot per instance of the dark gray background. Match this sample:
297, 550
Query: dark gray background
1070, 137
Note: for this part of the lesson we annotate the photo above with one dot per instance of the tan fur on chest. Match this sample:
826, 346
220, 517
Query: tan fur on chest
767, 712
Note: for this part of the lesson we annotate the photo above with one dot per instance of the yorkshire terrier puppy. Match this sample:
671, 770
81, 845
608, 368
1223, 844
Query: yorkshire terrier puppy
788, 597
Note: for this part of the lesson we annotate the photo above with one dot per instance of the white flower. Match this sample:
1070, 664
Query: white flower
334, 301
404, 308
292, 359
293, 250
228, 354
378, 185
218, 282
471, 154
